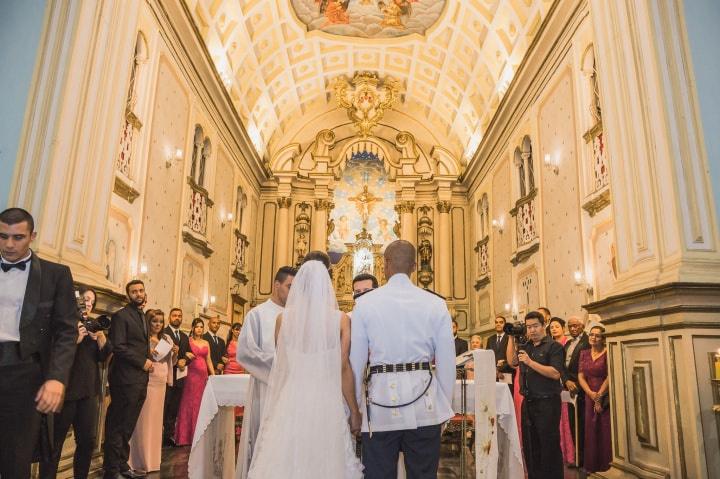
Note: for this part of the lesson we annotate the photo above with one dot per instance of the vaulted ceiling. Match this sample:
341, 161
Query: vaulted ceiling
452, 78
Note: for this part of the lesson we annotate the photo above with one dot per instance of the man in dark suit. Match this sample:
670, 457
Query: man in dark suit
217, 345
461, 346
38, 330
498, 344
128, 378
174, 392
578, 341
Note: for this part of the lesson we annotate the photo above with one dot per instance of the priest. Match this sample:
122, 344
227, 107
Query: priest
255, 352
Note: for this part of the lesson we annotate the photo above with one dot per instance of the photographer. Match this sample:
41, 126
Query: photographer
541, 362
83, 395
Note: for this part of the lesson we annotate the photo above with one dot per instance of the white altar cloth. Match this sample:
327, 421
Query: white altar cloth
212, 454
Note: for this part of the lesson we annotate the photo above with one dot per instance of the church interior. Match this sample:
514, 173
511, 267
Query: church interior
556, 153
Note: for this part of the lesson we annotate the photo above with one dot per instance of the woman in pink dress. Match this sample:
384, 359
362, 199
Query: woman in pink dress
199, 368
232, 366
146, 441
557, 331
593, 378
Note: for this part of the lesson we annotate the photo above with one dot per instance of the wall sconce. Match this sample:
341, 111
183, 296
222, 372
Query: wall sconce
176, 157
143, 269
213, 299
225, 218
581, 281
552, 163
498, 224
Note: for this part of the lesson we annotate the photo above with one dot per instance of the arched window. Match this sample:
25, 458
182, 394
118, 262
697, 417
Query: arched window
206, 152
240, 205
197, 149
484, 212
521, 171
589, 68
528, 159
140, 55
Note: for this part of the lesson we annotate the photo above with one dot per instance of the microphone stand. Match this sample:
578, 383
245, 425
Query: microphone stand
462, 372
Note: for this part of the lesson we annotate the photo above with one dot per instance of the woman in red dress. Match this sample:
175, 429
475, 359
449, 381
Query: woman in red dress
557, 331
199, 368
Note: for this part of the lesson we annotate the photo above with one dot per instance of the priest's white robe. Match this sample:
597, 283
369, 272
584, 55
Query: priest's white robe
255, 352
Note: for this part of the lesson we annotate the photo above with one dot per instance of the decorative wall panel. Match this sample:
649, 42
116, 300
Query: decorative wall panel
562, 241
192, 289
163, 196
117, 254
222, 237
459, 254
501, 242
267, 248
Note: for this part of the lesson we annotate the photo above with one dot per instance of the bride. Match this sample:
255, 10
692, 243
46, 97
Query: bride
304, 432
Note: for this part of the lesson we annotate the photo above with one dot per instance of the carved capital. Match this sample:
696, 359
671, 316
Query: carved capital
284, 202
405, 207
444, 206
324, 205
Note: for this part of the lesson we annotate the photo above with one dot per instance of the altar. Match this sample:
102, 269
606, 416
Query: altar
497, 443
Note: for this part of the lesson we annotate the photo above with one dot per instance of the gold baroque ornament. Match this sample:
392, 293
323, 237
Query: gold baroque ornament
405, 207
367, 99
444, 206
284, 202
323, 204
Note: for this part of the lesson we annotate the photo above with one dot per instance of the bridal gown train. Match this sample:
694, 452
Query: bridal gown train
304, 433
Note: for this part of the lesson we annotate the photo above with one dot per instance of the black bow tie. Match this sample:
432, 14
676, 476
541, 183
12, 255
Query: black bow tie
8, 266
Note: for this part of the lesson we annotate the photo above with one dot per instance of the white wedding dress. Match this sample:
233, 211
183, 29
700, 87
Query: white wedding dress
304, 433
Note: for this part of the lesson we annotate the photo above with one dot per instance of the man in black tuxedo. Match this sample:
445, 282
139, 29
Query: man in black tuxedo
461, 346
578, 341
38, 330
498, 344
174, 392
128, 378
217, 345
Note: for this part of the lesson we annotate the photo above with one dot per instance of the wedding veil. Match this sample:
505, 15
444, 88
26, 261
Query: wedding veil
304, 431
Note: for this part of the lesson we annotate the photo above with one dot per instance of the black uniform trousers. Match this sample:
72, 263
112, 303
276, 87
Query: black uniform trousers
579, 409
420, 446
541, 437
126, 402
81, 414
19, 383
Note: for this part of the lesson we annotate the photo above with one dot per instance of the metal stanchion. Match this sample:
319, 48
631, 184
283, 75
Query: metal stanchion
463, 419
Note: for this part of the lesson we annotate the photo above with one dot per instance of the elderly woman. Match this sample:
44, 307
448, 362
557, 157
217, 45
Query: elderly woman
475, 343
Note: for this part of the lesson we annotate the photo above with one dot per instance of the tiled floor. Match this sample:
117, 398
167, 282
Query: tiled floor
174, 465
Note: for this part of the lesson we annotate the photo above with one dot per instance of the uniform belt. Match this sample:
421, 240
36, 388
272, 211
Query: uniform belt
399, 368
393, 368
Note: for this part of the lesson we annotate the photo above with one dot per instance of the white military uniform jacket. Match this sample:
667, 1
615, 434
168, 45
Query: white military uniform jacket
395, 324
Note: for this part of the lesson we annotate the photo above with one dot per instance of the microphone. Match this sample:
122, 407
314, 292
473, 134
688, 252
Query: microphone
463, 359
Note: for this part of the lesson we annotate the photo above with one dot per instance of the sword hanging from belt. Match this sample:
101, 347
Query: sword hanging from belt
393, 368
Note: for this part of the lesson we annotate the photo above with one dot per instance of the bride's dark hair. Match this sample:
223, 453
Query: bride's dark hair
318, 255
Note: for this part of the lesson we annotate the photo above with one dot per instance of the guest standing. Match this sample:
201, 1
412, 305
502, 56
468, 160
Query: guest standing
232, 366
128, 377
217, 345
557, 331
541, 360
82, 399
173, 392
498, 344
146, 441
593, 377
475, 343
38, 330
198, 370
461, 346
577, 342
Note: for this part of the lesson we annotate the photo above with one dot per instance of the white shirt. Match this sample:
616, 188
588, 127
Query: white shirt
571, 347
13, 284
401, 323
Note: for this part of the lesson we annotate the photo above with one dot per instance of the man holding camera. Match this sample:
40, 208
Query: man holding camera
83, 394
541, 363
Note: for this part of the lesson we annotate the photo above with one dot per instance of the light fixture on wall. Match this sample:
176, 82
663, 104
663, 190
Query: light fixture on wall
498, 224
581, 281
177, 156
552, 162
213, 299
225, 218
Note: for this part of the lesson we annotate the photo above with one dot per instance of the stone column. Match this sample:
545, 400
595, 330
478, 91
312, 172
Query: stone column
282, 234
661, 315
319, 235
442, 251
408, 228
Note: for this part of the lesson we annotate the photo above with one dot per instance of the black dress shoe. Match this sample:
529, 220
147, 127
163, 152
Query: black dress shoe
116, 475
133, 474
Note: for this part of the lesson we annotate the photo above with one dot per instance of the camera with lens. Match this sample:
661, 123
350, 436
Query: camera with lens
516, 329
101, 323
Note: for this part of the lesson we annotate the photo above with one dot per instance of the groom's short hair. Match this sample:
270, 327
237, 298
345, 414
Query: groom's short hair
365, 277
284, 272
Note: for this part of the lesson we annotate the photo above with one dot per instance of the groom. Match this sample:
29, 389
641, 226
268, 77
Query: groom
399, 330
255, 352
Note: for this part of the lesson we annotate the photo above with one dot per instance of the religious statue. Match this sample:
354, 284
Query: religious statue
364, 203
